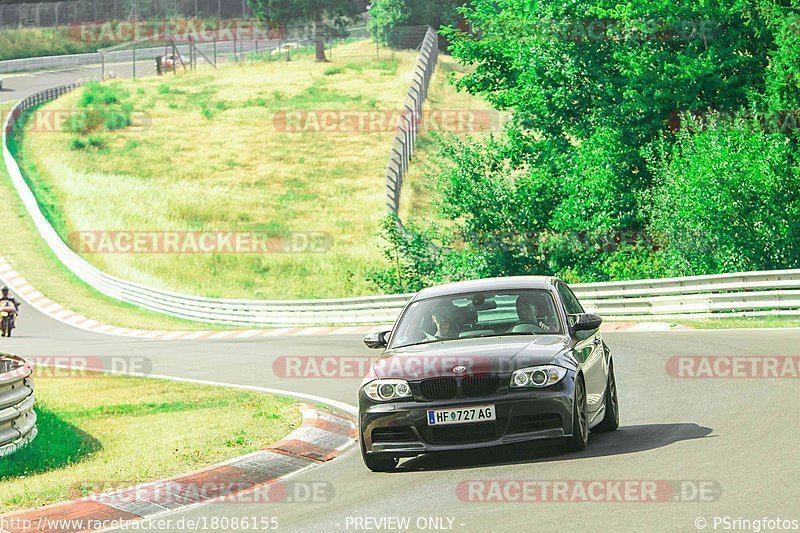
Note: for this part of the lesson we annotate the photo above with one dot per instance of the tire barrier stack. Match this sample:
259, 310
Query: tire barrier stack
17, 417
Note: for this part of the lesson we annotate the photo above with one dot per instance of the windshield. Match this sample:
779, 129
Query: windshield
481, 314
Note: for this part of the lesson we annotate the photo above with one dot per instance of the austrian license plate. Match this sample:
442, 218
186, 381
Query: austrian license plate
461, 415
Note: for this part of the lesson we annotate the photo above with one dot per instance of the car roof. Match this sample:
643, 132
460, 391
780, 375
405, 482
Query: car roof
488, 284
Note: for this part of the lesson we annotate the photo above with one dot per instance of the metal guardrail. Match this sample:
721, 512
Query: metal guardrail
121, 56
753, 293
17, 417
146, 50
367, 310
408, 126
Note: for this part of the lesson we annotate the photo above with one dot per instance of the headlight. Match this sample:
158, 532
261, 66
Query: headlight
384, 390
537, 376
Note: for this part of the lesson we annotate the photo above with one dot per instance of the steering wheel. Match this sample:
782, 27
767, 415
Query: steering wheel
528, 327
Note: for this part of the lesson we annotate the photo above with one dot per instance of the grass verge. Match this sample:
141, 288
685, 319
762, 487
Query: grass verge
22, 246
104, 431
743, 322
215, 155
21, 43
29, 255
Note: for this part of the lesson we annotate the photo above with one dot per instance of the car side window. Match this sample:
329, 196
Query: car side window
571, 303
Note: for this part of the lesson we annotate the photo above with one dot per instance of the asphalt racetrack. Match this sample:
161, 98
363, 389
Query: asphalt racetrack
711, 447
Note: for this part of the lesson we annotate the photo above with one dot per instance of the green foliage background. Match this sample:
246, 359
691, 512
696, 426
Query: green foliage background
649, 139
392, 22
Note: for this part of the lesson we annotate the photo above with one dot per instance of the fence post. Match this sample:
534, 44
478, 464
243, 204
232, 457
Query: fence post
400, 159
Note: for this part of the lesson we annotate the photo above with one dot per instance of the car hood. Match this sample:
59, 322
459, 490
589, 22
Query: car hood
494, 355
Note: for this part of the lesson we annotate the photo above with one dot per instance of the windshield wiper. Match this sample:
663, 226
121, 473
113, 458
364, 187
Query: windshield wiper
473, 337
423, 342
502, 334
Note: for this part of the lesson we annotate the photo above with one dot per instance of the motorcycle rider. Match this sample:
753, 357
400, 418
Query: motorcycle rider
8, 297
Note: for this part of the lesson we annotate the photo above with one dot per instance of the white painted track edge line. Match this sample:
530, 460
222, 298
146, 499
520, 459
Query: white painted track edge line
345, 407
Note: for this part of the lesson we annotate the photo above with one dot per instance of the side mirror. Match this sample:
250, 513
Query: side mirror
377, 339
584, 322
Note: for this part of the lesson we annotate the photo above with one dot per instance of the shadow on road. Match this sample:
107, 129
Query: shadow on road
627, 439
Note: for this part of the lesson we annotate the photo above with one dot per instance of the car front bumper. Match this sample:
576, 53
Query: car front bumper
400, 429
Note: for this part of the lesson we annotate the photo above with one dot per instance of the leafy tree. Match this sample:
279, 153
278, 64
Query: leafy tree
567, 68
598, 212
414, 262
726, 199
585, 182
783, 78
393, 22
317, 12
496, 208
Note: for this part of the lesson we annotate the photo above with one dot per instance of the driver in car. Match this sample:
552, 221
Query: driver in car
443, 318
535, 315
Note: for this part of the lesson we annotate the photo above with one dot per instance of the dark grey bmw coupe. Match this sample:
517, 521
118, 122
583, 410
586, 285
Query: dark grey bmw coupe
485, 363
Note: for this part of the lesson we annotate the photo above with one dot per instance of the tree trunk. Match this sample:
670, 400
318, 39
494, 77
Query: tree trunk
319, 36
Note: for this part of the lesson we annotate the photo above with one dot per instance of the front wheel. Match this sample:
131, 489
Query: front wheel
610, 420
580, 419
377, 463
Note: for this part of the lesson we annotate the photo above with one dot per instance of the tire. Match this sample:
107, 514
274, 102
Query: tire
610, 420
580, 419
377, 464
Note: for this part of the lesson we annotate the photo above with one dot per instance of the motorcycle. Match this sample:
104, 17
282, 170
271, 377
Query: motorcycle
8, 313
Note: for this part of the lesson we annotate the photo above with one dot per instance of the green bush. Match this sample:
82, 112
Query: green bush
585, 182
727, 199
76, 143
332, 71
397, 23
413, 260
116, 120
101, 108
99, 94
598, 211
20, 43
81, 122
96, 141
